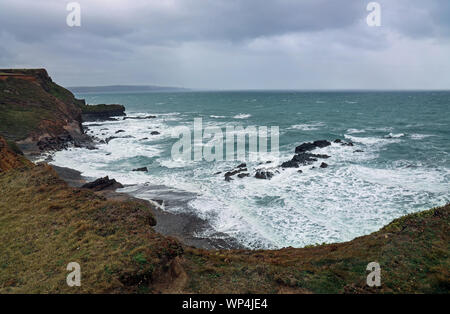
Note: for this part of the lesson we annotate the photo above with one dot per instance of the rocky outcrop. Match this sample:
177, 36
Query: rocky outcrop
10, 157
262, 174
343, 143
240, 169
101, 112
143, 169
140, 118
303, 159
39, 115
306, 147
36, 110
103, 184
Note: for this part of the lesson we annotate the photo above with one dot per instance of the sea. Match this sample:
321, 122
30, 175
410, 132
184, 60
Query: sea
399, 163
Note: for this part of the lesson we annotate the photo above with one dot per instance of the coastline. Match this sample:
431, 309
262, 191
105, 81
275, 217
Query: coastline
182, 226
120, 240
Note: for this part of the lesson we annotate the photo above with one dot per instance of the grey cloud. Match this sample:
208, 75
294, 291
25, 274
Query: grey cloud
230, 43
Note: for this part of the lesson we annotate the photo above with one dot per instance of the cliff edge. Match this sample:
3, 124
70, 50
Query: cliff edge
40, 115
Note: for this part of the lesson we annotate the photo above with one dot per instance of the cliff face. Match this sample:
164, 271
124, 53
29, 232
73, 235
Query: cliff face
45, 224
34, 109
9, 159
40, 115
101, 112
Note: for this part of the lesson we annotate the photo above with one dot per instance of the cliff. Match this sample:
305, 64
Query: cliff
39, 114
45, 224
101, 112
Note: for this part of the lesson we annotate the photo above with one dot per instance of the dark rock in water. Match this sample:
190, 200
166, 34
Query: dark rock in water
143, 169
155, 133
103, 184
320, 156
143, 139
120, 131
299, 171
228, 178
243, 165
139, 118
261, 174
231, 173
305, 147
323, 165
358, 151
101, 112
289, 164
302, 159
219, 172
243, 175
63, 141
339, 141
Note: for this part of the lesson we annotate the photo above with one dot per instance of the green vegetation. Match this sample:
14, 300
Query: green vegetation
34, 105
44, 225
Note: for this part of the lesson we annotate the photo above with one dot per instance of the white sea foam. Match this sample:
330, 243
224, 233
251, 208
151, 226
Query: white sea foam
307, 127
420, 136
355, 131
371, 140
242, 116
395, 135
350, 198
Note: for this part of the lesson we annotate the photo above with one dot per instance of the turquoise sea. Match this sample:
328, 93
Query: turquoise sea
401, 164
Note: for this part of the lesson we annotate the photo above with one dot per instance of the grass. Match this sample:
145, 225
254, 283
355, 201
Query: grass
31, 109
44, 225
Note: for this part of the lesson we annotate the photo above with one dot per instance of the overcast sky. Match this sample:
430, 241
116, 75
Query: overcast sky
232, 44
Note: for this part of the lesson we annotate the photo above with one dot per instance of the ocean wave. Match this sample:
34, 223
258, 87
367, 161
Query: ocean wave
419, 136
307, 127
371, 140
355, 131
242, 116
393, 135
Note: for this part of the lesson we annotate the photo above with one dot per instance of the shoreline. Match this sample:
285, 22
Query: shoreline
182, 226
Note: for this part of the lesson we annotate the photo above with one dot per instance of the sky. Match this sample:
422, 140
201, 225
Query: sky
232, 44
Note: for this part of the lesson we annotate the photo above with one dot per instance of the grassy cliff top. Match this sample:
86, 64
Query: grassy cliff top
32, 104
44, 225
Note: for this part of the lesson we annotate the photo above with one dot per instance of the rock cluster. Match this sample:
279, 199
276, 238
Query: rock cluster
103, 184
